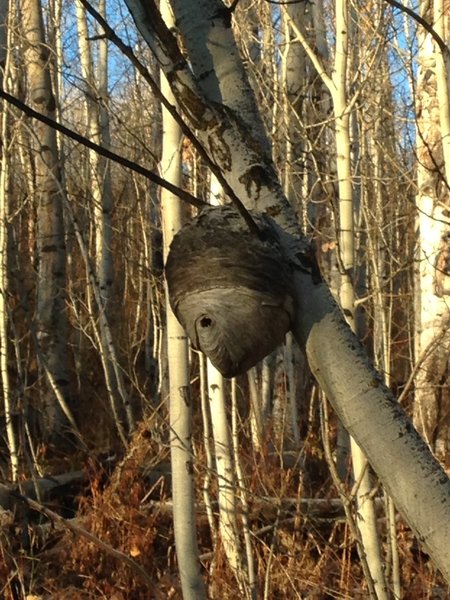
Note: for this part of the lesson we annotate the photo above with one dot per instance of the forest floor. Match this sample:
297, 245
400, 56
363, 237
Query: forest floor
115, 540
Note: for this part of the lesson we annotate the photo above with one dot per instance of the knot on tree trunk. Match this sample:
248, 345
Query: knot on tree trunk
230, 289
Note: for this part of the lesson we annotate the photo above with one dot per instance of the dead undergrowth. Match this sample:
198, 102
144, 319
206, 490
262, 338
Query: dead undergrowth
299, 553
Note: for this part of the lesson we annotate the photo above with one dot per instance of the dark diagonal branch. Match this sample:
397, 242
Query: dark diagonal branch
121, 160
187, 131
424, 23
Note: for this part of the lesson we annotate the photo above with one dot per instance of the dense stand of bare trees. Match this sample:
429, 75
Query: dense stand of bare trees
334, 119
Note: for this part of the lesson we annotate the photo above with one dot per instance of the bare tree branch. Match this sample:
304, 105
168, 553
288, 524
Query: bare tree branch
437, 38
187, 131
121, 160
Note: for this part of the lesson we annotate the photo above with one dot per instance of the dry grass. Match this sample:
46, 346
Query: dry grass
295, 556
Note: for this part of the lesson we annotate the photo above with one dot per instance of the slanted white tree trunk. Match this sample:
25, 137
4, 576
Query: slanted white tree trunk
337, 85
341, 366
181, 451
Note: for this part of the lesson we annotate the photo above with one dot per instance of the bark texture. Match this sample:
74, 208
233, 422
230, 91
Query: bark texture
432, 397
180, 401
51, 319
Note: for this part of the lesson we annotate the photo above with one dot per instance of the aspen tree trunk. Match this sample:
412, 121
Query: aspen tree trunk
367, 521
441, 18
256, 415
250, 563
295, 83
104, 238
432, 398
363, 403
225, 472
223, 448
55, 41
305, 101
297, 73
95, 92
337, 85
51, 318
179, 385
6, 32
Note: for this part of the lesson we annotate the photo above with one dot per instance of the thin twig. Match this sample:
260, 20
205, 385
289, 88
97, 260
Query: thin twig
429, 349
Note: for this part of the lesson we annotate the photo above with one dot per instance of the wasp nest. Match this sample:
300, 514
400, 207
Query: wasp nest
229, 288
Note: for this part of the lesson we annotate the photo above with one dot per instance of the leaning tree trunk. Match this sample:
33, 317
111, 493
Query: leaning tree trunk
366, 407
51, 318
337, 85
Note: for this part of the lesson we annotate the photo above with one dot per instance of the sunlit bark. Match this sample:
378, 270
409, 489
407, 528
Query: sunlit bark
8, 398
178, 362
51, 318
432, 400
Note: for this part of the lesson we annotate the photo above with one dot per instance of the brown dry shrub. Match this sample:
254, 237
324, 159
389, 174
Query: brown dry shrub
116, 516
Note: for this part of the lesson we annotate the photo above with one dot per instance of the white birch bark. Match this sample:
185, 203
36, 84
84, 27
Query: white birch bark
441, 17
432, 402
104, 236
295, 88
179, 385
341, 366
51, 315
207, 443
255, 416
223, 449
97, 120
225, 471
8, 398
219, 69
250, 563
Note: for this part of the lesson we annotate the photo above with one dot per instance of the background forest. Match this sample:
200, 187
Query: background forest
354, 96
